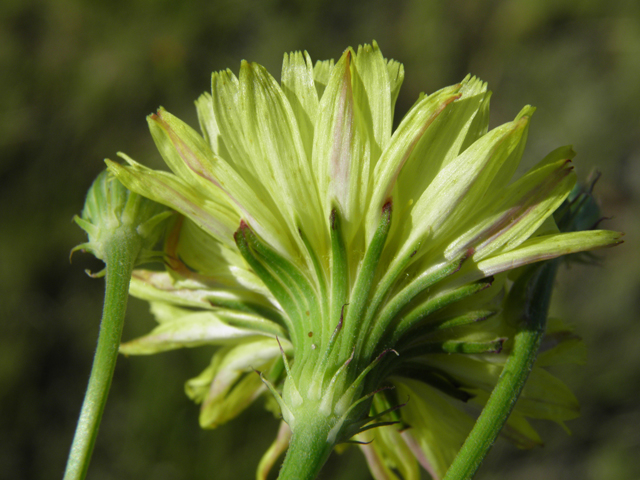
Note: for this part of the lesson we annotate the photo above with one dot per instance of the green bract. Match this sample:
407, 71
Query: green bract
357, 268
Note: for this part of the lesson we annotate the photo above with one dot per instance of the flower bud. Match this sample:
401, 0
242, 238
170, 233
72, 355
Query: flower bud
111, 211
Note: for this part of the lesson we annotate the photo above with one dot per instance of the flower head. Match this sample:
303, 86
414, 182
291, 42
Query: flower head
340, 258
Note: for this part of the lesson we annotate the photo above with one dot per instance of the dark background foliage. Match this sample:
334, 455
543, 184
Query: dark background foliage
77, 79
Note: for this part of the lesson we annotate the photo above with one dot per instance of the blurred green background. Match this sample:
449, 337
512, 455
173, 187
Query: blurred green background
76, 81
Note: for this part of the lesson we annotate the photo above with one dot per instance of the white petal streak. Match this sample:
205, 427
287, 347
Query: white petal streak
342, 137
340, 152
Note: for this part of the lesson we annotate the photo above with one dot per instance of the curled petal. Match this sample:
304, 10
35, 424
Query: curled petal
230, 383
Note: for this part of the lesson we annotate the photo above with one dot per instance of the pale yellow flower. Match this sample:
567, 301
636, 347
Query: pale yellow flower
339, 257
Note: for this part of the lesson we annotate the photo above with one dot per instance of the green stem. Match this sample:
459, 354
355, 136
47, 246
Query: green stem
533, 290
308, 450
120, 254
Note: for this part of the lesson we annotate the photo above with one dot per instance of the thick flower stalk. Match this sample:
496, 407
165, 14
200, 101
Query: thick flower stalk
363, 272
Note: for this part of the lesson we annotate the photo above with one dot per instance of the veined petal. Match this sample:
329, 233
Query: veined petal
511, 162
437, 147
183, 149
546, 247
461, 184
211, 213
183, 328
410, 131
523, 208
440, 144
165, 288
299, 88
160, 287
279, 155
372, 93
262, 136
341, 151
401, 146
191, 158
224, 406
225, 100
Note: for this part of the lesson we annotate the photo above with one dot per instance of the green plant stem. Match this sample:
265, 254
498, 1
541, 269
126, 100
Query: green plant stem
534, 291
120, 254
308, 449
